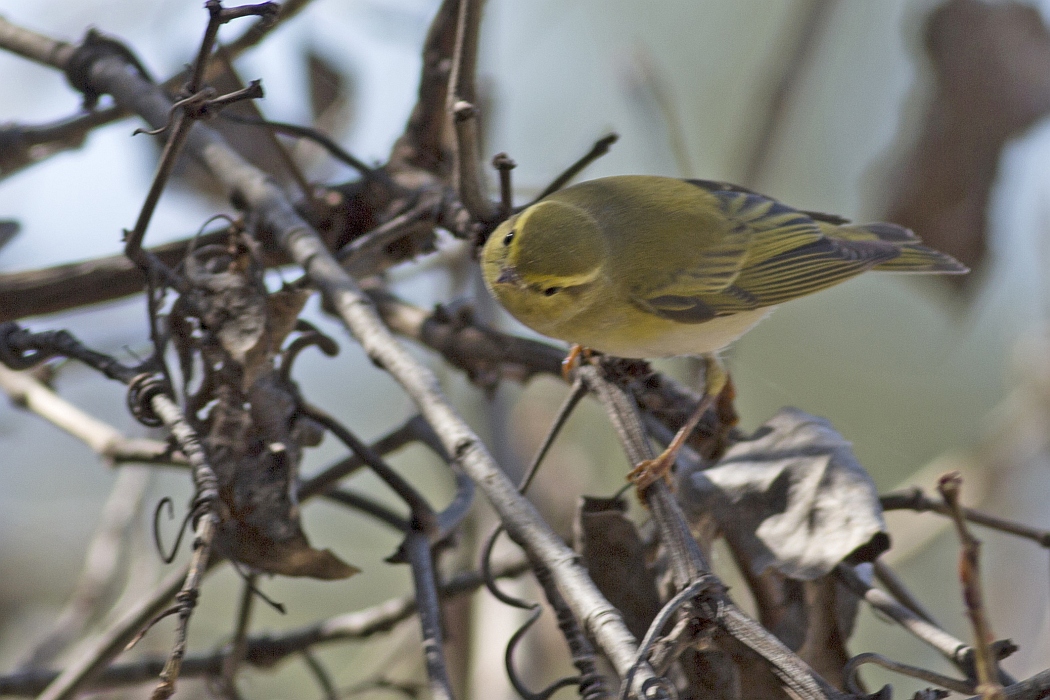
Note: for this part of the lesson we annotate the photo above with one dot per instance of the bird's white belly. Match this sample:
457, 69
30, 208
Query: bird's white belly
682, 338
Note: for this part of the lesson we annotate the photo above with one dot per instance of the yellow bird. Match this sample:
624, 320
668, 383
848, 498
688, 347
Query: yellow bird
642, 266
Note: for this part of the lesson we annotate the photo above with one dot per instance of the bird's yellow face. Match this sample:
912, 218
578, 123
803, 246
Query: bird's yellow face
544, 264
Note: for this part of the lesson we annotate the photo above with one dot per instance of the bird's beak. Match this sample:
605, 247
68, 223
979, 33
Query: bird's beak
509, 275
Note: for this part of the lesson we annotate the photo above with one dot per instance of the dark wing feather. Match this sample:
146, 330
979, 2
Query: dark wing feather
790, 253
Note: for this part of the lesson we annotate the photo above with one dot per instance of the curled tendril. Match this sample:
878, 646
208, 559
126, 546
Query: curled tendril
512, 674
169, 557
141, 391
682, 598
310, 336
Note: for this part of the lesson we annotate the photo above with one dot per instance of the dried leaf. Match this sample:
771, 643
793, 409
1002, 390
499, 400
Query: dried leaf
793, 497
258, 145
992, 66
614, 556
8, 229
331, 90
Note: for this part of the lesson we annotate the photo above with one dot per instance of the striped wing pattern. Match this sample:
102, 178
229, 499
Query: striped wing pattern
775, 253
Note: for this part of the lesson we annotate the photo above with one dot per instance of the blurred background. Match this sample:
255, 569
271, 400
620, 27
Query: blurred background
869, 110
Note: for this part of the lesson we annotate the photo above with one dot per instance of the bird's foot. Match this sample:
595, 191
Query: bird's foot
649, 471
577, 355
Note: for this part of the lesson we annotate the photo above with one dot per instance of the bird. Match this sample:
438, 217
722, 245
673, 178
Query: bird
645, 266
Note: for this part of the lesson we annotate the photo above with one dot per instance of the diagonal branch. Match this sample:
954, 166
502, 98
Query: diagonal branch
264, 651
257, 192
105, 440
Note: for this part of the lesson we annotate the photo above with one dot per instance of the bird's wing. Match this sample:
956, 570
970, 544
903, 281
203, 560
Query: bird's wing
788, 254
715, 187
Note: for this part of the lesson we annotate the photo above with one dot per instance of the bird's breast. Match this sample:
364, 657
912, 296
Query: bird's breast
627, 331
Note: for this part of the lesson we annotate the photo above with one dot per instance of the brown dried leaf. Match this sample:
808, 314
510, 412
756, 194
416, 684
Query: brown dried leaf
256, 461
614, 556
992, 66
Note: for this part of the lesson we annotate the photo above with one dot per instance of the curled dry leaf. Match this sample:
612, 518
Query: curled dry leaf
793, 502
793, 497
248, 410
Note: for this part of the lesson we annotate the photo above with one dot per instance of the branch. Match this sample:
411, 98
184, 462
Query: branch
106, 441
950, 486
102, 567
915, 499
251, 187
688, 564
264, 651
417, 549
422, 145
951, 648
93, 656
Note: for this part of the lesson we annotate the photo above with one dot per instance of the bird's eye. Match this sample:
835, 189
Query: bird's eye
551, 291
509, 237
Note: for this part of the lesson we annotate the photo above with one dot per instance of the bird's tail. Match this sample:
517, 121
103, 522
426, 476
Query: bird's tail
913, 255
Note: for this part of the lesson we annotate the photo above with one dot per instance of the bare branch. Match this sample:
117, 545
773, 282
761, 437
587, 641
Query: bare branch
92, 657
988, 685
105, 440
951, 648
915, 499
262, 651
102, 567
35, 47
303, 244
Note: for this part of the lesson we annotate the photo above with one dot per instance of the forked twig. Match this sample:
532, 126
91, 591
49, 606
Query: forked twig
949, 486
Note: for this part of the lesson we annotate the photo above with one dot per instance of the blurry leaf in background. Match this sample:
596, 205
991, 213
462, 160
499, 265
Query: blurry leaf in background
257, 144
331, 93
8, 229
992, 68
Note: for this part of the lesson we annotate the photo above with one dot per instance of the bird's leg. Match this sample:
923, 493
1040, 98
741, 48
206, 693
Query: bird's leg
577, 354
715, 380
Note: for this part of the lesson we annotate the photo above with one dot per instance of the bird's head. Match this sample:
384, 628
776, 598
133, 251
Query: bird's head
541, 263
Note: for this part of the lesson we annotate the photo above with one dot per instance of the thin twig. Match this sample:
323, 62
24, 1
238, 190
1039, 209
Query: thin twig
419, 506
205, 499
324, 679
599, 149
470, 177
949, 486
959, 686
504, 164
239, 644
417, 549
888, 577
915, 499
262, 651
467, 173
407, 433
90, 660
369, 506
103, 566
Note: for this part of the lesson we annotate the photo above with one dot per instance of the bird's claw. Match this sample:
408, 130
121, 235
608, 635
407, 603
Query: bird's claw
577, 355
649, 471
